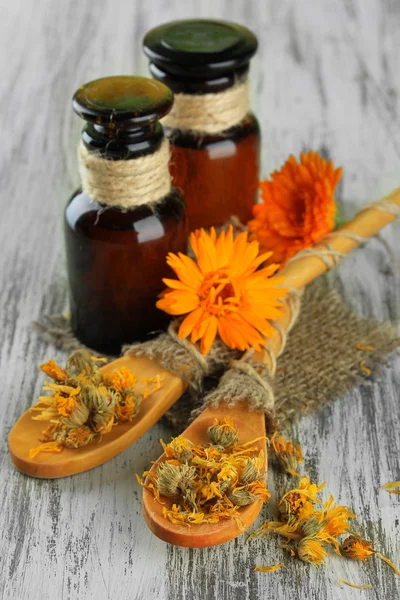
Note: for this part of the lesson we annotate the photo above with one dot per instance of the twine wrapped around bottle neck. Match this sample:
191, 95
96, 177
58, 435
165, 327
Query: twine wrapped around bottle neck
209, 113
125, 183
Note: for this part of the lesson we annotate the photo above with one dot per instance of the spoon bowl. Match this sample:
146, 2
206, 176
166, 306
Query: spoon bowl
250, 426
48, 465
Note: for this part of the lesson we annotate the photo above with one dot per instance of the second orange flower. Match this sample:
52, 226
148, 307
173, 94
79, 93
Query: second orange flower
298, 206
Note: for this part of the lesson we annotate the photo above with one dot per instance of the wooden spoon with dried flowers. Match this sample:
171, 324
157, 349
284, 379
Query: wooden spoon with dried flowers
209, 516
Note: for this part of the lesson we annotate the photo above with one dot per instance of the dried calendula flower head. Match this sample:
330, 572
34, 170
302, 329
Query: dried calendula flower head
242, 497
356, 548
287, 454
335, 519
78, 416
311, 526
181, 449
80, 362
78, 437
101, 404
121, 380
172, 479
252, 470
311, 551
223, 433
53, 370
168, 478
298, 503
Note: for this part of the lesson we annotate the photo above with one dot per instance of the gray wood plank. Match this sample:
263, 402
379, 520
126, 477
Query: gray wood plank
327, 78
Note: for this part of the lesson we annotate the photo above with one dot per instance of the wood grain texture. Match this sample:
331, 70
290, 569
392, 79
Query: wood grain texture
326, 78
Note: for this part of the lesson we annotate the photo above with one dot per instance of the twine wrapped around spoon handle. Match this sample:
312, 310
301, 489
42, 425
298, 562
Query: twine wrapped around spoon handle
251, 378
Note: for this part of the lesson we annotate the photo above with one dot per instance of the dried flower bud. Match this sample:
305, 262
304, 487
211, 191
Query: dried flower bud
356, 548
79, 437
311, 526
182, 449
223, 433
251, 471
168, 477
80, 363
225, 485
241, 497
189, 499
311, 551
78, 417
172, 479
100, 402
287, 455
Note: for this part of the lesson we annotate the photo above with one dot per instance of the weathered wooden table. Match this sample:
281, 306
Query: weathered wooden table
327, 77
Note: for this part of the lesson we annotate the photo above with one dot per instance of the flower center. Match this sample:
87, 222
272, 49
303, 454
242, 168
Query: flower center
217, 292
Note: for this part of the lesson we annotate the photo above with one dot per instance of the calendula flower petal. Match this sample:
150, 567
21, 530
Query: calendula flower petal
270, 569
393, 484
353, 585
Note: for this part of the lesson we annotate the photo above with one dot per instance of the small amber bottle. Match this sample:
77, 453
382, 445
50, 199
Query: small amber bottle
120, 226
214, 138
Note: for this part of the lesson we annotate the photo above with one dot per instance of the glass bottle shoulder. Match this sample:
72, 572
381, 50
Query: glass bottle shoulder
87, 217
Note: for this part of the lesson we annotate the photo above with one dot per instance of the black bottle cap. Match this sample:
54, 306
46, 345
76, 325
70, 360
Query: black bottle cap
200, 48
123, 100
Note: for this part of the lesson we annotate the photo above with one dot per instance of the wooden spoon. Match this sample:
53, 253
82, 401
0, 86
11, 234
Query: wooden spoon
26, 432
250, 425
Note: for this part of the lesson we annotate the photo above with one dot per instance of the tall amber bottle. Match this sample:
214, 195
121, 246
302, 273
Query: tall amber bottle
120, 226
214, 138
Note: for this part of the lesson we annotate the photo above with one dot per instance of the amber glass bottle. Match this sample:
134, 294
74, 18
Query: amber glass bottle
206, 63
117, 246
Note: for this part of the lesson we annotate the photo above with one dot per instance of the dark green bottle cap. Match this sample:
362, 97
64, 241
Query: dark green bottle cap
123, 100
200, 48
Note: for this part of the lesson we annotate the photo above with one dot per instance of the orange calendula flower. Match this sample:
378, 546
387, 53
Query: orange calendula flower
224, 291
298, 206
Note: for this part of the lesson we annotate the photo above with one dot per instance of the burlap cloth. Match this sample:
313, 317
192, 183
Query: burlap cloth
325, 355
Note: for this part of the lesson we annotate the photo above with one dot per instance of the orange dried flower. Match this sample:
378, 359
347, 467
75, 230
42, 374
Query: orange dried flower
335, 519
311, 551
298, 206
298, 503
53, 370
357, 548
287, 454
224, 291
121, 380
